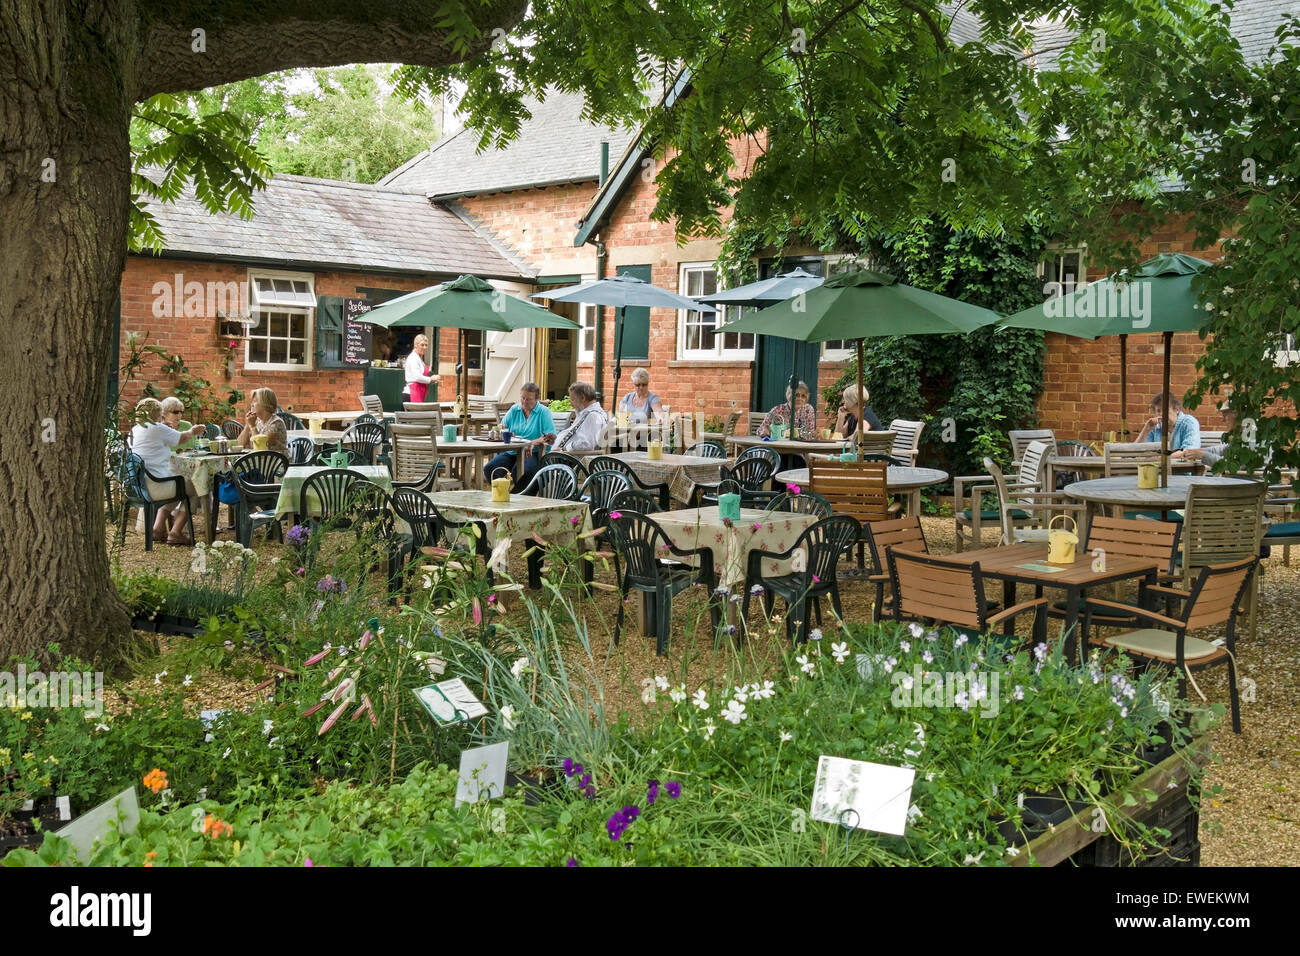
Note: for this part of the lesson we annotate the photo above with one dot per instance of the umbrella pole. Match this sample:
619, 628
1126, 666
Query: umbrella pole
618, 357
862, 406
1164, 411
1123, 388
464, 391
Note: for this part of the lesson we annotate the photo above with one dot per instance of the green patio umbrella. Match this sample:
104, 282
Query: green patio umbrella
861, 305
465, 303
1158, 296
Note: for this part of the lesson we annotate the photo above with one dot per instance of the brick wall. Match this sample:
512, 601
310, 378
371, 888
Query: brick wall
195, 338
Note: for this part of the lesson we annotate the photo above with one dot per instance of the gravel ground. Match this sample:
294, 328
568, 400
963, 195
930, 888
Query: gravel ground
1253, 818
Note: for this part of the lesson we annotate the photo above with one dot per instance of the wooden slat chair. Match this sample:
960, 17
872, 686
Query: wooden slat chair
1284, 530
372, 404
876, 443
755, 420
927, 588
969, 514
907, 444
1127, 538
1123, 458
859, 489
432, 417
1211, 438
729, 431
1223, 524
422, 406
1211, 601
1024, 511
906, 534
1020, 439
415, 454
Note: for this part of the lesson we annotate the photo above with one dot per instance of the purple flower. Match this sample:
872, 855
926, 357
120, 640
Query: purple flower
297, 536
585, 781
630, 814
331, 585
575, 519
674, 789
568, 766
793, 489
615, 826
651, 793
589, 792
572, 862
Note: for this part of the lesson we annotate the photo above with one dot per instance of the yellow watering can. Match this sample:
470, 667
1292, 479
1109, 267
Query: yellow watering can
501, 486
1148, 474
1060, 542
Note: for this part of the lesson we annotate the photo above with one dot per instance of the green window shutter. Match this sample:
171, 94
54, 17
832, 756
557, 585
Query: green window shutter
329, 332
636, 321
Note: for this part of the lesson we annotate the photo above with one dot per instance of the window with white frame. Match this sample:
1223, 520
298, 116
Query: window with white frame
283, 305
839, 350
586, 331
697, 337
1062, 271
1289, 353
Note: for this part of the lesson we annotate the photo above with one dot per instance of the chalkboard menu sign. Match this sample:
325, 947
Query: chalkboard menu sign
356, 333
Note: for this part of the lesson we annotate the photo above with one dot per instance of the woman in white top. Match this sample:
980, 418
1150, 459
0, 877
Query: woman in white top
589, 420
152, 440
417, 379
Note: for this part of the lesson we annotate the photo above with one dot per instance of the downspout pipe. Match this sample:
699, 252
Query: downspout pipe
602, 264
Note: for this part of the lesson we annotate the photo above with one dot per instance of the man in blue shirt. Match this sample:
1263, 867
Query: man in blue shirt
1186, 429
530, 422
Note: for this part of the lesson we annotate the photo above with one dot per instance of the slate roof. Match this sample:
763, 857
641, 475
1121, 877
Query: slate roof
557, 145
327, 224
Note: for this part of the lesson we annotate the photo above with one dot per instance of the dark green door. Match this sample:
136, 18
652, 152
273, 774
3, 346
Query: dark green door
775, 359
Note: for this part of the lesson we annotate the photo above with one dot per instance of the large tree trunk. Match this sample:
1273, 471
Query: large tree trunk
64, 115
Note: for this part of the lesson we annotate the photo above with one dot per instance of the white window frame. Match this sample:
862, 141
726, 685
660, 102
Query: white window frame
587, 323
1289, 354
261, 303
1055, 252
835, 354
724, 315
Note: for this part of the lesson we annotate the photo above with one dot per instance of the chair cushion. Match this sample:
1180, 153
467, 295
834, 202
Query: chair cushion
1151, 642
991, 514
1176, 515
1283, 529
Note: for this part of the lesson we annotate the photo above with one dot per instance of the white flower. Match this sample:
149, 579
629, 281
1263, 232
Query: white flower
815, 634
1228, 290
927, 657
1017, 693
889, 664
977, 691
648, 691
519, 667
840, 651
709, 728
267, 725
972, 860
1040, 651
742, 693
907, 682
961, 639
189, 679
762, 693
678, 694
1013, 851
916, 630
786, 738
734, 712
805, 665
914, 813
157, 678
508, 717
700, 699
661, 682
961, 700
226, 754
101, 727
905, 647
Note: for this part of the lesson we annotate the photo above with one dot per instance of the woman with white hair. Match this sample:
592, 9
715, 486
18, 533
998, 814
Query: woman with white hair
854, 409
640, 403
417, 373
803, 416
152, 439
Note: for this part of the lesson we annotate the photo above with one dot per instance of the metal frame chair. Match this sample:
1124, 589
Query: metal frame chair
903, 533
859, 489
1224, 523
1212, 600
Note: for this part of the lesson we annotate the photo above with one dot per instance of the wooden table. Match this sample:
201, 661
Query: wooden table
1095, 465
477, 451
1123, 492
680, 472
1005, 564
902, 478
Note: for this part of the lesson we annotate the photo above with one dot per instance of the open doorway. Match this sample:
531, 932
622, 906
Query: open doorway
558, 355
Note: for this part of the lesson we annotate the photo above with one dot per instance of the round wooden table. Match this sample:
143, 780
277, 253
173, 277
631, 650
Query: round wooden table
902, 478
1096, 465
1123, 492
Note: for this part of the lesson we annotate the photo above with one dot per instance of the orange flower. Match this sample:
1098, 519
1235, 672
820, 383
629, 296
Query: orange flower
156, 780
216, 828
150, 857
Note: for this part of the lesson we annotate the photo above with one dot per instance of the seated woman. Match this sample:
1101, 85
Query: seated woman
152, 440
588, 425
854, 409
804, 417
527, 421
173, 409
640, 404
261, 420
1186, 430
1211, 455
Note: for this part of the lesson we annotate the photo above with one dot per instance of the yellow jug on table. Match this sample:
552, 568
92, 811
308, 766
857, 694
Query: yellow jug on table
261, 442
1060, 542
654, 451
1148, 474
501, 486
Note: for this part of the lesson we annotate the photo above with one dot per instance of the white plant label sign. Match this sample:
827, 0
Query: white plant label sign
862, 795
482, 773
90, 828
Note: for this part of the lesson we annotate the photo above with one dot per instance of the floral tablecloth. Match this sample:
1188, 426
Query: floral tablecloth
680, 472
755, 530
555, 520
291, 486
201, 470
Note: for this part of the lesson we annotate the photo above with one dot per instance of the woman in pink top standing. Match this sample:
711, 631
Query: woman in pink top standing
417, 373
